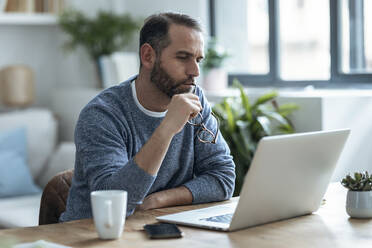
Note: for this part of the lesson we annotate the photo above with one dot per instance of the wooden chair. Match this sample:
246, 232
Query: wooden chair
54, 198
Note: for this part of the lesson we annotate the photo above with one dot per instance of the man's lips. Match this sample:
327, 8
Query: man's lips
190, 82
187, 83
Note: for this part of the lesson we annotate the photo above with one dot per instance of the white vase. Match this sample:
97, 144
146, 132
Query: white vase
359, 204
117, 67
17, 85
215, 80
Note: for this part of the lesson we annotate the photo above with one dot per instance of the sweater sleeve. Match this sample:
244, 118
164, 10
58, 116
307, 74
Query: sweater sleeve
214, 168
102, 152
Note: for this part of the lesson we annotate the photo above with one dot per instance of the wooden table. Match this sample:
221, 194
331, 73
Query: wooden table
328, 227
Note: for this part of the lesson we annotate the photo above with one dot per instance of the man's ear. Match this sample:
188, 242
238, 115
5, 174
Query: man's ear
148, 56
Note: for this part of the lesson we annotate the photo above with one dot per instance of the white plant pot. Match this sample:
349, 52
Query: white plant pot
215, 80
117, 67
359, 204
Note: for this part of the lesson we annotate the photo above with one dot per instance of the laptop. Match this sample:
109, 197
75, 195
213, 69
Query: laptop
288, 177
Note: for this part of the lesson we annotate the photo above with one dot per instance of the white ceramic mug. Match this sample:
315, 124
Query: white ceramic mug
109, 209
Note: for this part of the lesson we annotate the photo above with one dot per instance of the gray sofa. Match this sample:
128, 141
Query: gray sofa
46, 159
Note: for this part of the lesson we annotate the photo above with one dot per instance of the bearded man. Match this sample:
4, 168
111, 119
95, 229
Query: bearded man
153, 135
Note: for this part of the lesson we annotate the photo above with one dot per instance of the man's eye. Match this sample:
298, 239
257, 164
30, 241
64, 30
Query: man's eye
182, 58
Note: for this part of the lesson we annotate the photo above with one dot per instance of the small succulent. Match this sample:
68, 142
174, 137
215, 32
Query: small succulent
360, 182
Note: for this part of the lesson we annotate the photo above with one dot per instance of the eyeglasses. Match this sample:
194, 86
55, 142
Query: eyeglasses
204, 134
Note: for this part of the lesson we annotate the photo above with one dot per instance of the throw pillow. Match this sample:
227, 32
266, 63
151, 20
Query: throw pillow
15, 177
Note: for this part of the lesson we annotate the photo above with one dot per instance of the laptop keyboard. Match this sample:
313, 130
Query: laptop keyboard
225, 218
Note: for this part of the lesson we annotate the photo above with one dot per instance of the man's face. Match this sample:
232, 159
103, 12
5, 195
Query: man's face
177, 66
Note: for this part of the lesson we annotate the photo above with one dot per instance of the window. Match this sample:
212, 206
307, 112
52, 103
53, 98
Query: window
257, 37
248, 50
304, 40
296, 42
356, 36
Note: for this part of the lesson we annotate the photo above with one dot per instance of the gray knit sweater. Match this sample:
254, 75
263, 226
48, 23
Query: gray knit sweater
113, 127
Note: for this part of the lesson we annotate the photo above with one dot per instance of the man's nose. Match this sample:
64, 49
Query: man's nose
193, 69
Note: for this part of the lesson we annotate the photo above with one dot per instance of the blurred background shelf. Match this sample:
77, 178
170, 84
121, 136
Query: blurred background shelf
28, 19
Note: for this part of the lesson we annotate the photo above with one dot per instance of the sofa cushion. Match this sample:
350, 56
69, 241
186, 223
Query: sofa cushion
63, 159
19, 211
41, 134
14, 139
15, 177
67, 111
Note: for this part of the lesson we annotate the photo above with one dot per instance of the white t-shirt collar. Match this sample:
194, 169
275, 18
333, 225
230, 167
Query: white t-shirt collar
143, 109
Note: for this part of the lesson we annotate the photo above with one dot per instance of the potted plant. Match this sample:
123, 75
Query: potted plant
359, 195
100, 36
243, 124
215, 76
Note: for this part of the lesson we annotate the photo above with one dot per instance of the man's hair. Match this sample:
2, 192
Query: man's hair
156, 27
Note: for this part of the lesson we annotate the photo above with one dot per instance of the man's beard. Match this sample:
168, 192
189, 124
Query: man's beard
165, 83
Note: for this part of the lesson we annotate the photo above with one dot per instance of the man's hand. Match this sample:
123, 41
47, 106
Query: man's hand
167, 198
150, 202
181, 108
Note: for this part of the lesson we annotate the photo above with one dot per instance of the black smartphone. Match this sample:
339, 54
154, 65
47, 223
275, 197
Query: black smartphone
162, 231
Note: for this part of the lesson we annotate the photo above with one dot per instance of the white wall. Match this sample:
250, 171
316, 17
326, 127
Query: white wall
354, 112
40, 46
34, 46
197, 9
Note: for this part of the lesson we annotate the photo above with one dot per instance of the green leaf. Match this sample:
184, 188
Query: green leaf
274, 116
367, 187
265, 98
243, 129
230, 117
286, 128
358, 176
220, 112
287, 108
244, 99
265, 124
239, 145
